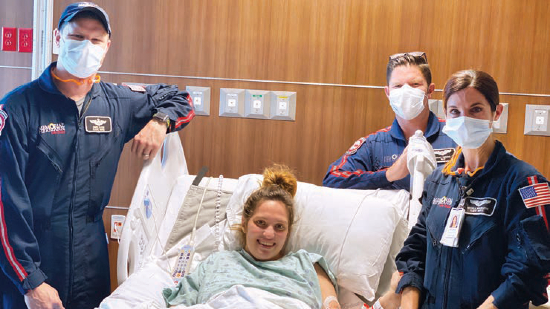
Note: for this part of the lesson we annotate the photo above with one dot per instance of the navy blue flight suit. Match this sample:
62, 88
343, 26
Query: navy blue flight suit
504, 244
364, 165
56, 173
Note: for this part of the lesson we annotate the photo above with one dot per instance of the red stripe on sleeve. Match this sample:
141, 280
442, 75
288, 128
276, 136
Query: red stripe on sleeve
8, 250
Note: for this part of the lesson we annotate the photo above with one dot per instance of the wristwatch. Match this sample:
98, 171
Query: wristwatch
162, 117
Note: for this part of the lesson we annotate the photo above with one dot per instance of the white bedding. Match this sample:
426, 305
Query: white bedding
133, 293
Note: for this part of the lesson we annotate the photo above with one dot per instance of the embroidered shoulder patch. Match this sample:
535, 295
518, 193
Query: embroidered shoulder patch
537, 194
3, 117
135, 87
353, 149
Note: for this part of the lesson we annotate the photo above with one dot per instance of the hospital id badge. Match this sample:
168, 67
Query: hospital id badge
452, 228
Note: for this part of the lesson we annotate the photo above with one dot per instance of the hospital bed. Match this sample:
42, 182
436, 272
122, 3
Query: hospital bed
359, 232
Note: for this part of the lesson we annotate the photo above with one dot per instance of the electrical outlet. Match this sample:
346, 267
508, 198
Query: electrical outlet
536, 120
257, 104
201, 99
501, 125
9, 39
25, 40
231, 102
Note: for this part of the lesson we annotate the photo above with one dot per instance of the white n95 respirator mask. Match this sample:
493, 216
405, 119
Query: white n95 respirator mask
407, 102
80, 58
468, 132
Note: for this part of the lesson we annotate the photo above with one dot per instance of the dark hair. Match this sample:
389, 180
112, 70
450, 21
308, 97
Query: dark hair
407, 59
279, 184
478, 80
83, 14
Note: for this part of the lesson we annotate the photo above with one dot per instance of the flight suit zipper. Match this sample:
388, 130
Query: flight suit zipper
71, 206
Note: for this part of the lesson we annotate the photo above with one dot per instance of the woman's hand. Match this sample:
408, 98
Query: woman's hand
330, 300
488, 303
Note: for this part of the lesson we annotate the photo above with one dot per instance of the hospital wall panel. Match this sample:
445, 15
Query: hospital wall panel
320, 49
15, 66
10, 78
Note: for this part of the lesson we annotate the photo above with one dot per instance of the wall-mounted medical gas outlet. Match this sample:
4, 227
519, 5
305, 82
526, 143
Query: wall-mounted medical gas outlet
231, 102
256, 104
536, 120
436, 106
283, 105
201, 99
501, 125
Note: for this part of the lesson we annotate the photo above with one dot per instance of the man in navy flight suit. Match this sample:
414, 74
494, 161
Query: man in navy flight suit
379, 160
61, 137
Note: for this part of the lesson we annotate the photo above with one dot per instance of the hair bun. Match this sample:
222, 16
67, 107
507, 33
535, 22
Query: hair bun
281, 176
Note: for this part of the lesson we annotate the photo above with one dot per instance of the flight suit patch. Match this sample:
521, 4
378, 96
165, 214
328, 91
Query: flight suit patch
443, 155
98, 124
353, 149
480, 206
3, 117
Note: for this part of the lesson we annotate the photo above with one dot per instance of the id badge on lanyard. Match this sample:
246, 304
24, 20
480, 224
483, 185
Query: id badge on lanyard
451, 233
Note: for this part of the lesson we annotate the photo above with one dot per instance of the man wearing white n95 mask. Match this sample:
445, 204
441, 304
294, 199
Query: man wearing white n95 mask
379, 160
61, 137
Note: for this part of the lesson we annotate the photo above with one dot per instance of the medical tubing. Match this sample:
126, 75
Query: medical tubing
192, 240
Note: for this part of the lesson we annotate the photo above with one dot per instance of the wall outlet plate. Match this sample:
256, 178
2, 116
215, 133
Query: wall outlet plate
9, 39
231, 102
536, 120
257, 104
117, 222
201, 99
283, 105
25, 40
501, 125
436, 106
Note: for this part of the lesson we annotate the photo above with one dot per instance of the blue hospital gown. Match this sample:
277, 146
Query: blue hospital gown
293, 276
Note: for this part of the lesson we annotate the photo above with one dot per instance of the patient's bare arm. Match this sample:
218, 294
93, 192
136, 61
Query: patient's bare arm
391, 300
327, 289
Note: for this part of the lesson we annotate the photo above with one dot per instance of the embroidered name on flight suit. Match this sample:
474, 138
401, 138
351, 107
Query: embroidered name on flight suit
98, 124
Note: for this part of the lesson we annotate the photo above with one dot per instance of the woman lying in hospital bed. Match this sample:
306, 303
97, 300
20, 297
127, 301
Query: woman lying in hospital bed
261, 274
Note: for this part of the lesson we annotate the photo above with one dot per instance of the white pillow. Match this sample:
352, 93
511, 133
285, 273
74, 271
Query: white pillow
352, 229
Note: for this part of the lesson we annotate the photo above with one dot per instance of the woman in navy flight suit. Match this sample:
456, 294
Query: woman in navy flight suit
502, 252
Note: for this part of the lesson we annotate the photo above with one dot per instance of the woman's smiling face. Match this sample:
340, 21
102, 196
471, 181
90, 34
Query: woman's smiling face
266, 232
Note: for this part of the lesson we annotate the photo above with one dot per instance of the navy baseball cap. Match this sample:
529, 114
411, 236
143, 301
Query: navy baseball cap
73, 9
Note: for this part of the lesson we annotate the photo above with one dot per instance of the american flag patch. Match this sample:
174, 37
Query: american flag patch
535, 195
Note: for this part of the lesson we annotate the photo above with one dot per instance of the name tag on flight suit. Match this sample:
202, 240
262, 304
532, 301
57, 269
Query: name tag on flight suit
484, 206
443, 155
98, 124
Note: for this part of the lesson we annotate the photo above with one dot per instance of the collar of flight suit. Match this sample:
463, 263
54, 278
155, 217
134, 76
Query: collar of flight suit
431, 130
47, 84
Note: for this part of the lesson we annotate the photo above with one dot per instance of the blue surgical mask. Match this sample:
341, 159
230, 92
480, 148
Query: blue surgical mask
80, 58
469, 133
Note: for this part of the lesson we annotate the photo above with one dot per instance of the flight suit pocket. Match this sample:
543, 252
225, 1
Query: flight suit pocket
102, 173
45, 168
536, 239
435, 224
475, 231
